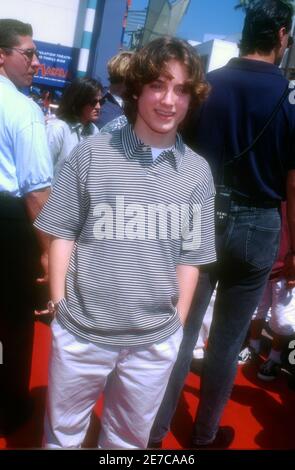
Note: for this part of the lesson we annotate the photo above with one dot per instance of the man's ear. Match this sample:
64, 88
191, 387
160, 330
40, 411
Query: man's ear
282, 33
2, 56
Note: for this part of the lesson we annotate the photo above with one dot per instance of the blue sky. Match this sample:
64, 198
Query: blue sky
206, 16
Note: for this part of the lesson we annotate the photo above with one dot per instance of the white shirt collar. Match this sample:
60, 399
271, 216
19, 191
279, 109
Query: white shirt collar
6, 81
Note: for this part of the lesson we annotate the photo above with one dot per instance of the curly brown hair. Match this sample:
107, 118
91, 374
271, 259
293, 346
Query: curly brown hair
148, 63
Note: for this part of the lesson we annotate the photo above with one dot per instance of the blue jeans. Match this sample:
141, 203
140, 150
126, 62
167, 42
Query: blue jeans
247, 249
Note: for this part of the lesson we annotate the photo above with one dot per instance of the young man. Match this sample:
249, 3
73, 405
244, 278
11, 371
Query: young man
25, 179
244, 94
131, 218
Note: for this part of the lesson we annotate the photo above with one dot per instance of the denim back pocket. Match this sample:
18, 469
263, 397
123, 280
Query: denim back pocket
263, 238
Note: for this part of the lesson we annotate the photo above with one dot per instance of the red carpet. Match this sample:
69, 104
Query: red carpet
262, 414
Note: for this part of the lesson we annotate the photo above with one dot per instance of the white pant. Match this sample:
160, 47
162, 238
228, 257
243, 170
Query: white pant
281, 303
79, 371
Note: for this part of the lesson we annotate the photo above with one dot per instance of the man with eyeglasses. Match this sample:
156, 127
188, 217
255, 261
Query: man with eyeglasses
25, 179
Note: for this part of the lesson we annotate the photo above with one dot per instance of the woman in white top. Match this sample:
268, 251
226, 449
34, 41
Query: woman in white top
78, 109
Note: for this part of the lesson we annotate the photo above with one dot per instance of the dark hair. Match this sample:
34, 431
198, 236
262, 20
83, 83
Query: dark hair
10, 30
148, 63
264, 19
78, 94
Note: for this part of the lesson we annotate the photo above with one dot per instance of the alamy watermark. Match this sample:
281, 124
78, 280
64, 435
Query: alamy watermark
149, 222
292, 93
291, 357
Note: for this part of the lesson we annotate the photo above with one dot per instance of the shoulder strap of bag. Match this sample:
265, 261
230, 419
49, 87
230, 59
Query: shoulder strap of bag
270, 119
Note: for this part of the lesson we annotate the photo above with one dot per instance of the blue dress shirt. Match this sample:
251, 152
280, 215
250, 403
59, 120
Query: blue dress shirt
25, 162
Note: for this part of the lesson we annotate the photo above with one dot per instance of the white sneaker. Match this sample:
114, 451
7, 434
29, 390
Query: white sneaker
246, 355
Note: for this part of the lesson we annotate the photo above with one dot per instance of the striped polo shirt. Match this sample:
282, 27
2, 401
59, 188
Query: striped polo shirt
133, 221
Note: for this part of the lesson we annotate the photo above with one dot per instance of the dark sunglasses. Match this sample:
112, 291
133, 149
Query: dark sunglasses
290, 41
94, 102
29, 53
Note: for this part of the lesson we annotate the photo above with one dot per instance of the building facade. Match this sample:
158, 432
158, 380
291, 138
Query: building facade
216, 53
75, 37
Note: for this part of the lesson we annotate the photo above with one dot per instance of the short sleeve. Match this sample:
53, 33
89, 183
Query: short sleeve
64, 213
198, 226
33, 163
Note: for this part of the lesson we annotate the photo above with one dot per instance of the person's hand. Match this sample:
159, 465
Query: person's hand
42, 313
289, 270
44, 266
50, 310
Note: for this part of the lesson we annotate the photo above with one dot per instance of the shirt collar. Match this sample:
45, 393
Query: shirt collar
6, 81
75, 126
78, 125
135, 148
254, 65
119, 100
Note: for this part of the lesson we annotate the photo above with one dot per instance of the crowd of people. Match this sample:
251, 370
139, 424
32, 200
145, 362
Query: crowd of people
135, 205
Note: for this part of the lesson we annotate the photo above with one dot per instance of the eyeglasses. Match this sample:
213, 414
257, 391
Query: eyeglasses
290, 41
28, 53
